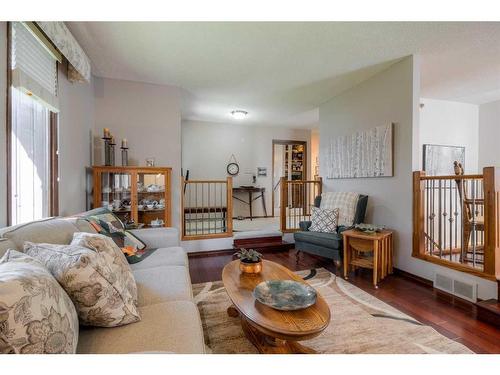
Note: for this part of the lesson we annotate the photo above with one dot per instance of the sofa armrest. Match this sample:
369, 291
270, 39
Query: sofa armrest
155, 238
304, 225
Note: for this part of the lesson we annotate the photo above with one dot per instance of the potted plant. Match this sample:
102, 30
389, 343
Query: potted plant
250, 260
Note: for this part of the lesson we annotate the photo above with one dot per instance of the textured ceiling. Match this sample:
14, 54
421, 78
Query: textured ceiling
281, 72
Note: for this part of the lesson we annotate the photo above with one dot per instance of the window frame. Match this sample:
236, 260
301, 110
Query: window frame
53, 143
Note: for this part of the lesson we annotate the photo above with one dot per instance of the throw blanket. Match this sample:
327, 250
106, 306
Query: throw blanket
346, 202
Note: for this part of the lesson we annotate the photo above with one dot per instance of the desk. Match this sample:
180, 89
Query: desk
250, 190
357, 244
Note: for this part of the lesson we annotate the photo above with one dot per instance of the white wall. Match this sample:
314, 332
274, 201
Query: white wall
489, 134
452, 124
149, 117
3, 118
76, 121
207, 147
387, 97
390, 96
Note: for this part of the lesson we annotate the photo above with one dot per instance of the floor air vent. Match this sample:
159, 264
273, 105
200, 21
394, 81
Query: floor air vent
459, 288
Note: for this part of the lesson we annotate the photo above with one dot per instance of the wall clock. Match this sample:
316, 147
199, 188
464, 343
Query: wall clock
233, 169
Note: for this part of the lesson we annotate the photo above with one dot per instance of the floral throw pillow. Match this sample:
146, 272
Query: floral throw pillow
99, 294
114, 256
36, 314
324, 220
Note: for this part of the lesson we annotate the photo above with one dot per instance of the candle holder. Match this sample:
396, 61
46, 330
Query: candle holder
107, 151
112, 145
124, 156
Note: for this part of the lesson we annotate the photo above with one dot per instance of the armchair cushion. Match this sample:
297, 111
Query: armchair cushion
329, 240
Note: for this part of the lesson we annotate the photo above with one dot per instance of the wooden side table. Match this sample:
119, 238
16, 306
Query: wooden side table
356, 246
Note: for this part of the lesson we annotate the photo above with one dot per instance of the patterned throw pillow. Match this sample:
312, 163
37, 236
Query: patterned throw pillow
324, 220
107, 223
36, 314
345, 201
113, 255
99, 294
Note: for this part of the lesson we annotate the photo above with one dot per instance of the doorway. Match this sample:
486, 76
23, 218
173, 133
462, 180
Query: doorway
289, 161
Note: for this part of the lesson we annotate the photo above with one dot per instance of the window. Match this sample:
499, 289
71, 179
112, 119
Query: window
32, 127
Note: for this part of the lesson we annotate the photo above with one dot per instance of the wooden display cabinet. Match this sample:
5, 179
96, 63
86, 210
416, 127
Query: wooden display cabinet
137, 194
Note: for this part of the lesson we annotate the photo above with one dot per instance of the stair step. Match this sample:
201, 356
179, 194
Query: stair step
489, 311
258, 240
271, 243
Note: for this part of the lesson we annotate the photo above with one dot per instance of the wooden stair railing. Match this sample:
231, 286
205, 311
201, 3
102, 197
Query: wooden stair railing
207, 209
296, 200
456, 221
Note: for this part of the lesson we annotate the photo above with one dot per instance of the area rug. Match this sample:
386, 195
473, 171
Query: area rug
360, 322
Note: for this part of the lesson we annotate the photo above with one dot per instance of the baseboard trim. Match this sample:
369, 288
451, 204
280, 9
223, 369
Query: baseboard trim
409, 275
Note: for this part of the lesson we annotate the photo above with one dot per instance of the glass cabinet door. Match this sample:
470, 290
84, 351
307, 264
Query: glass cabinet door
151, 199
116, 194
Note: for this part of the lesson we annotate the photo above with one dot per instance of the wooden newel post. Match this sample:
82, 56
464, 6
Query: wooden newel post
418, 214
283, 202
491, 185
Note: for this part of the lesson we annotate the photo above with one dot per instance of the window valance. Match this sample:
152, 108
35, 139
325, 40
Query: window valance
62, 38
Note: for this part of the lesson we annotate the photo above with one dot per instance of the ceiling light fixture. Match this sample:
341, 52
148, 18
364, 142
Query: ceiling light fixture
239, 114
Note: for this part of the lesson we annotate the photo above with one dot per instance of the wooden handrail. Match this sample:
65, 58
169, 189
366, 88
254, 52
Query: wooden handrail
454, 177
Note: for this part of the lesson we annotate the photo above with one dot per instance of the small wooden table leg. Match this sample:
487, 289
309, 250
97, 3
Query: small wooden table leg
375, 263
346, 256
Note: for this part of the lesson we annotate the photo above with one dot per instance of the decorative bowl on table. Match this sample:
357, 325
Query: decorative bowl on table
286, 295
369, 228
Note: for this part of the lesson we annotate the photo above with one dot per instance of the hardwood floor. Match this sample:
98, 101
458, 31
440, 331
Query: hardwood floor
451, 316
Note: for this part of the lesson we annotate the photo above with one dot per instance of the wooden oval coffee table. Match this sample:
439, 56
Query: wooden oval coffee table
270, 330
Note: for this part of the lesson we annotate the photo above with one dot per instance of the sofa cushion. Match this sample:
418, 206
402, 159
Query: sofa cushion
156, 238
36, 314
165, 327
163, 284
112, 254
53, 230
99, 292
331, 240
170, 256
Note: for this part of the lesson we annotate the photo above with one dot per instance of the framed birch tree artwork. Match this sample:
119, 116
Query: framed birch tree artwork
367, 153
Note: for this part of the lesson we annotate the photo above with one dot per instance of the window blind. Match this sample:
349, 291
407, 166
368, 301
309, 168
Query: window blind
34, 69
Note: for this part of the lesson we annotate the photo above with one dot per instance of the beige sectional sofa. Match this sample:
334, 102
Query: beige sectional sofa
170, 321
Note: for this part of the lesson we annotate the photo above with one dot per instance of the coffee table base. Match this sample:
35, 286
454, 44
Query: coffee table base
270, 345
266, 344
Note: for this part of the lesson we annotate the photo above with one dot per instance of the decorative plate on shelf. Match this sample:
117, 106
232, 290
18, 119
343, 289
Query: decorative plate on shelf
369, 228
285, 295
